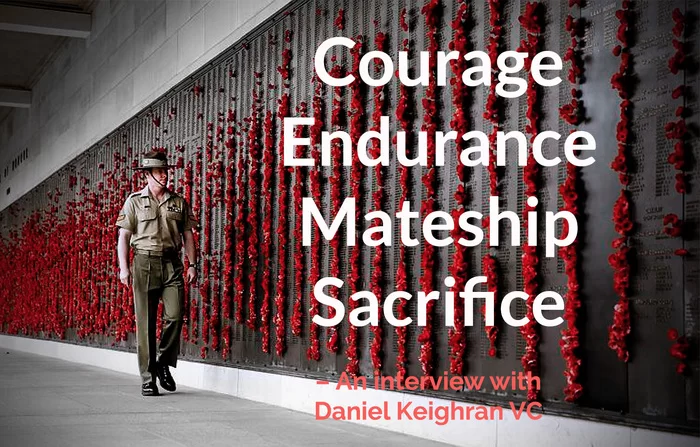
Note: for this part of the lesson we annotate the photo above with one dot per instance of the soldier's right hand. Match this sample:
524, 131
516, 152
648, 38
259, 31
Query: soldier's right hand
125, 277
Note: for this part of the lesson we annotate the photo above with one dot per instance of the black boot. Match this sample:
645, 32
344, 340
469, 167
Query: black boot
149, 389
166, 380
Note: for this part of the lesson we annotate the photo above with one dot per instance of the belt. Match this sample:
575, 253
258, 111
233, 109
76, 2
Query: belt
157, 253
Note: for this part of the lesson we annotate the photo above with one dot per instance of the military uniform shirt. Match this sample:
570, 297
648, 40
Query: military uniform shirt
154, 226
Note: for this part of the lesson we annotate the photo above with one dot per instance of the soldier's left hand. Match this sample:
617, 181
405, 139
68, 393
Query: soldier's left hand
191, 275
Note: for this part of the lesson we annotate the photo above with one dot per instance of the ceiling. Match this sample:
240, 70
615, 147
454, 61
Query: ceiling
60, 5
24, 56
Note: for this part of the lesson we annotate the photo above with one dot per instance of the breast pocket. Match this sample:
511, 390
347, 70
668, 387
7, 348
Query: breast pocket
175, 218
146, 220
146, 214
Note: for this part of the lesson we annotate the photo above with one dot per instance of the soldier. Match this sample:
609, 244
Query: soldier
155, 222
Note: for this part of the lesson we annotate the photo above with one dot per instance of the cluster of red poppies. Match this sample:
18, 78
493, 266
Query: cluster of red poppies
332, 344
197, 89
460, 123
283, 109
239, 226
314, 350
430, 125
205, 283
677, 61
569, 342
674, 227
229, 206
299, 253
489, 264
494, 107
215, 170
196, 209
573, 114
216, 167
339, 21
254, 198
120, 310
532, 21
677, 130
266, 245
493, 114
71, 280
118, 306
405, 122
187, 184
377, 276
357, 116
402, 20
679, 350
619, 260
128, 322
336, 191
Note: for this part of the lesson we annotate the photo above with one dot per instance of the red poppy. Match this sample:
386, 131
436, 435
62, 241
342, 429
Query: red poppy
678, 92
672, 334
339, 21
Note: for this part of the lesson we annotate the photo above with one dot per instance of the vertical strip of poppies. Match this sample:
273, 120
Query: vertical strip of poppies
532, 21
314, 350
283, 110
128, 301
336, 192
254, 182
239, 225
82, 244
206, 242
430, 11
103, 288
620, 258
186, 304
229, 206
357, 117
572, 113
266, 246
215, 172
77, 283
377, 276
40, 320
89, 278
109, 317
679, 350
300, 255
677, 131
117, 316
404, 118
459, 269
196, 209
112, 317
493, 114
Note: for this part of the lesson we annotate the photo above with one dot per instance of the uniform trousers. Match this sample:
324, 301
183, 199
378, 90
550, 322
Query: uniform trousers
156, 277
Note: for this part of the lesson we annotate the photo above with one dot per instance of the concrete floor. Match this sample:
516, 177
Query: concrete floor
50, 402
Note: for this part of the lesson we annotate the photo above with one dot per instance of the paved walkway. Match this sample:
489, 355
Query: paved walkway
50, 402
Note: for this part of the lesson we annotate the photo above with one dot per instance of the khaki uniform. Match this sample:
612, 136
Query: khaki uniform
157, 272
